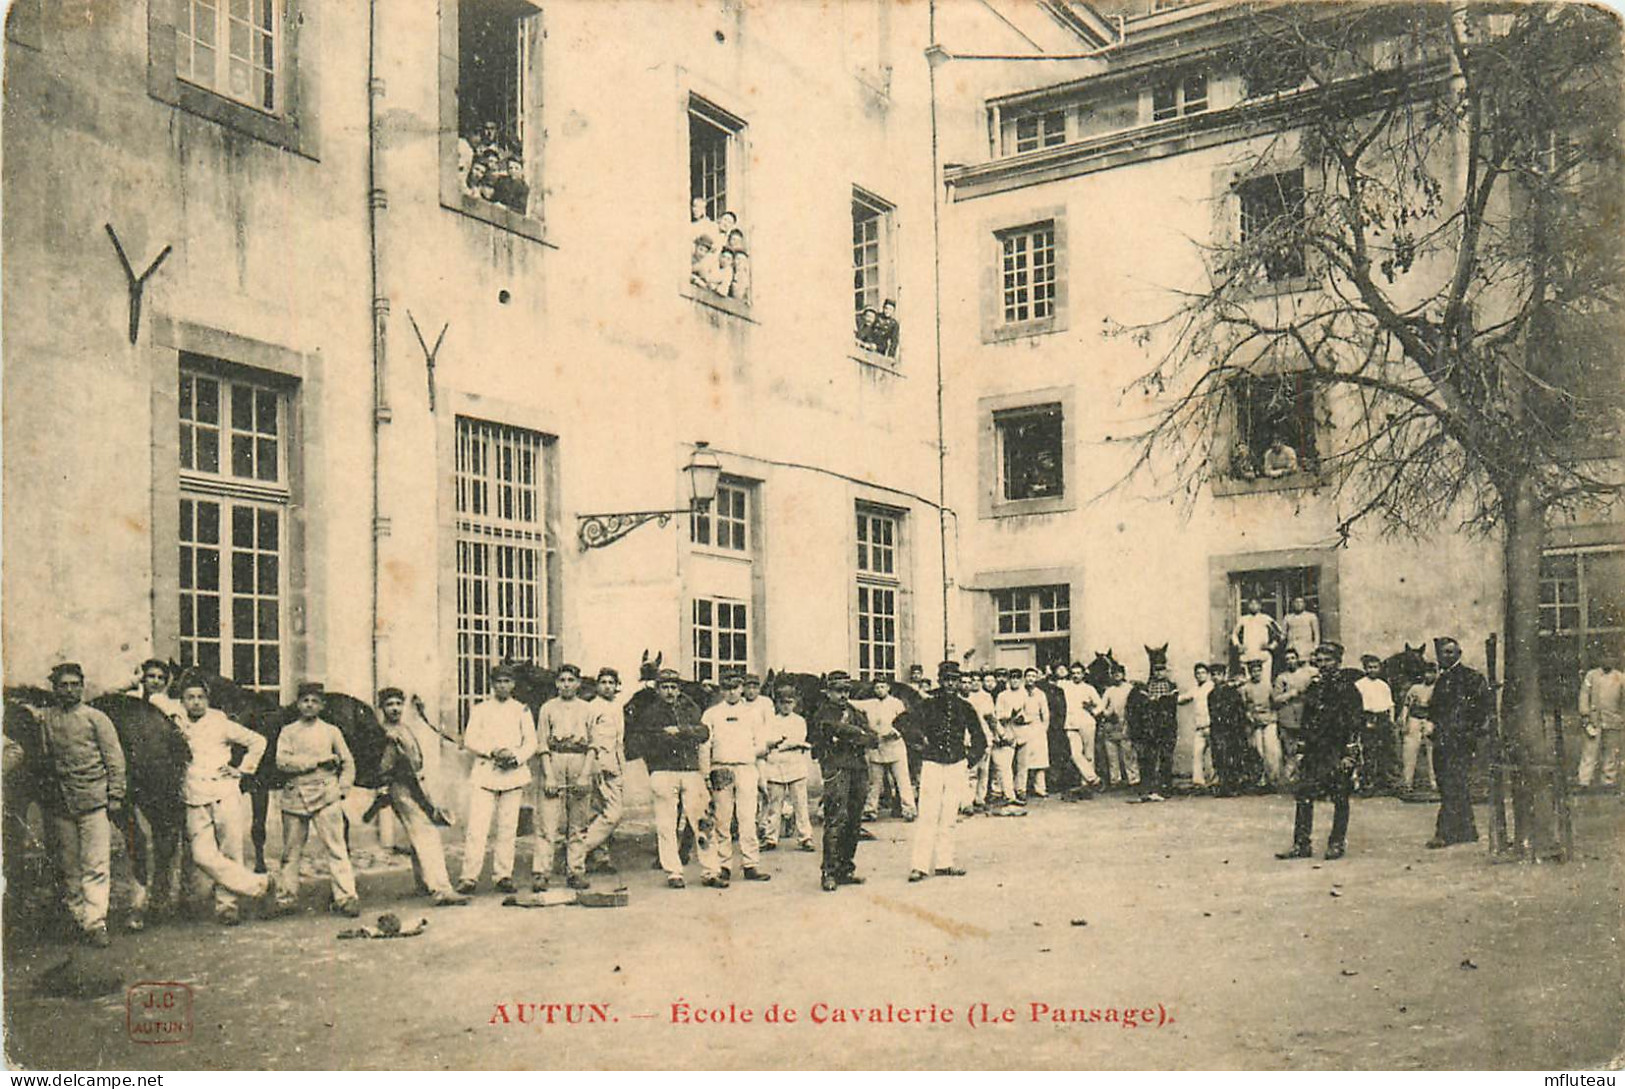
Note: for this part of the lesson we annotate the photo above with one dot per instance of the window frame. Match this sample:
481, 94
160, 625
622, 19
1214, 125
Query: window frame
1003, 421
1561, 687
705, 107
1307, 404
532, 224
871, 580
494, 529
233, 493
995, 329
884, 214
292, 125
1044, 135
1265, 281
712, 519
1024, 603
711, 667
990, 491
1182, 104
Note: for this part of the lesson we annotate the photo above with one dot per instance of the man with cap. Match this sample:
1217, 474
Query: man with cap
501, 736
311, 753
1263, 725
85, 767
607, 730
841, 739
569, 773
736, 742
754, 702
945, 731
1377, 744
1331, 724
214, 799
668, 735
407, 789
786, 761
1462, 705
890, 758
979, 689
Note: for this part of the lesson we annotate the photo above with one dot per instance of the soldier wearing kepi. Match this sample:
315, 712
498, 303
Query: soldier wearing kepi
946, 731
501, 735
841, 738
409, 798
607, 729
735, 745
86, 766
668, 734
320, 770
1332, 718
569, 777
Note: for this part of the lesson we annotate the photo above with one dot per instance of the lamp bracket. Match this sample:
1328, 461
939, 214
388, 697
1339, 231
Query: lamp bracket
598, 530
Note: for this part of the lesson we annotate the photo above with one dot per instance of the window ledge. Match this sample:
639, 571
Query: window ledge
716, 553
1015, 508
498, 216
1268, 289
1292, 482
879, 362
277, 130
1018, 330
735, 307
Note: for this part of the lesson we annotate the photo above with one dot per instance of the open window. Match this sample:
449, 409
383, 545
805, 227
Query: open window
1031, 453
720, 263
1272, 225
874, 276
1179, 97
1275, 427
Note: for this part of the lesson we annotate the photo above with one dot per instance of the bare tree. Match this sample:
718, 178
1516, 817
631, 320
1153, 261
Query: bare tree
1444, 276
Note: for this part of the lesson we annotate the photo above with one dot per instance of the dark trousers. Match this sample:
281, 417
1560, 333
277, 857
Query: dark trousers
1156, 763
1452, 763
1379, 763
845, 790
1303, 823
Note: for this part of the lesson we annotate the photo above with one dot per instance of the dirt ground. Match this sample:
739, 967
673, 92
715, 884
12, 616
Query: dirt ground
1395, 957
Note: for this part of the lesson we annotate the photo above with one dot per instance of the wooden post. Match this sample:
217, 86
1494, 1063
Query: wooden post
1498, 770
1565, 817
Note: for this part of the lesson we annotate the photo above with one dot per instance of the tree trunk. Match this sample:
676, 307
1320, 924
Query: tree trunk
1522, 719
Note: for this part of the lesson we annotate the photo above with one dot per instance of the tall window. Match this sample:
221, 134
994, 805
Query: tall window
721, 638
879, 585
496, 47
1035, 623
231, 47
503, 549
1271, 407
1040, 130
1272, 224
874, 274
1031, 452
1582, 616
726, 524
1179, 97
1027, 270
233, 525
713, 160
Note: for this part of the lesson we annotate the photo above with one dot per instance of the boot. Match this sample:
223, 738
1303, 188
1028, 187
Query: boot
1303, 823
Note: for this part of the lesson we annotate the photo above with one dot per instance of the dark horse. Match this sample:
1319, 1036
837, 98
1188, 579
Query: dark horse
155, 756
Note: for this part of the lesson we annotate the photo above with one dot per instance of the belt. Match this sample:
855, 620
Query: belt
570, 746
733, 764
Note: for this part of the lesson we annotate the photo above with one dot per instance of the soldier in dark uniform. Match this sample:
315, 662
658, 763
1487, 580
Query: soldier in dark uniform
1227, 727
840, 737
1332, 717
1461, 710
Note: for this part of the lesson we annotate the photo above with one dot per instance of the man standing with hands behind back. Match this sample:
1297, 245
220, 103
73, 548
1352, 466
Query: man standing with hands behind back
1461, 709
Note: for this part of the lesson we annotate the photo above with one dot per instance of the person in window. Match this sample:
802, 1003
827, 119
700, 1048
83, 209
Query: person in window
1280, 459
700, 222
739, 285
866, 327
706, 269
1302, 629
886, 329
511, 189
1242, 466
1255, 636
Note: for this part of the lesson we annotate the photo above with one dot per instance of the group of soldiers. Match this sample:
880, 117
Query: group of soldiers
725, 778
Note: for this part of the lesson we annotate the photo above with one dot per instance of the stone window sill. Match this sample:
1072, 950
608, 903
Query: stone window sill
738, 308
1292, 482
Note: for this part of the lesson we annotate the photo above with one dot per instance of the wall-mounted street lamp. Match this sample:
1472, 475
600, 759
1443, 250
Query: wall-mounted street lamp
703, 469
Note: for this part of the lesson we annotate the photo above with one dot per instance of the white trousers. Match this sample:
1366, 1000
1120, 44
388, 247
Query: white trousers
1606, 746
1266, 742
428, 856
942, 788
1418, 739
84, 855
215, 833
1081, 744
683, 793
1004, 775
796, 793
1201, 756
482, 805
898, 770
327, 825
737, 799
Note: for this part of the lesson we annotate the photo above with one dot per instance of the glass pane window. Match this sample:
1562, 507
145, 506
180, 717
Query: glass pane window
1270, 409
1040, 130
244, 418
494, 63
1027, 271
1272, 224
231, 48
877, 632
725, 524
1179, 97
502, 554
877, 543
232, 588
1031, 452
721, 638
1274, 590
1033, 610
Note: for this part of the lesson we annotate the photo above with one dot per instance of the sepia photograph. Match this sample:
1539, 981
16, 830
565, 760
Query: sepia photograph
783, 535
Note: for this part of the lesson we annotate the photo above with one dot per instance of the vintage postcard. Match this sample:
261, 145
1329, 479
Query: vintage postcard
812, 534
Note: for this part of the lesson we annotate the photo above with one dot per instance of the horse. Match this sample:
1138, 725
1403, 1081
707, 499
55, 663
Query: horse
1102, 670
1403, 669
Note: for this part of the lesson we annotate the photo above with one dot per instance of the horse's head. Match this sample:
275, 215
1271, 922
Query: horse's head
1405, 668
1102, 670
1157, 657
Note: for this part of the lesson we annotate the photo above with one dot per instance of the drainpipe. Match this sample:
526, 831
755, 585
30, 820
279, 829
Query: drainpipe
934, 55
377, 203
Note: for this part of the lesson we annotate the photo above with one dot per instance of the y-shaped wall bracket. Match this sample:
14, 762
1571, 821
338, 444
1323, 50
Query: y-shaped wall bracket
428, 352
137, 284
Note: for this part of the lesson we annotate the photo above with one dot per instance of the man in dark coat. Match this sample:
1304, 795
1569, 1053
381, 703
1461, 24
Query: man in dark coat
1153, 722
1228, 725
1461, 709
946, 731
1332, 717
841, 737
